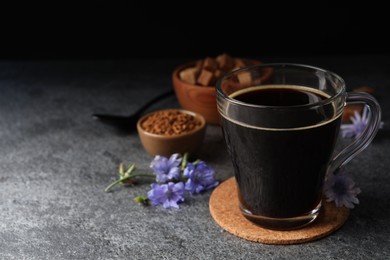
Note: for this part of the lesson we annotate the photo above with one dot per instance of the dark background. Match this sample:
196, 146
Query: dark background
191, 30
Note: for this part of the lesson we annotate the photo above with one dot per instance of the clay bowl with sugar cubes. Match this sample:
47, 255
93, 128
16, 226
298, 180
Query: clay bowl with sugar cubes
168, 131
194, 83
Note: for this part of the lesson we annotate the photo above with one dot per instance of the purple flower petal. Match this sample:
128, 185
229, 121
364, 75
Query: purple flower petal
157, 194
341, 189
359, 123
167, 194
166, 169
200, 177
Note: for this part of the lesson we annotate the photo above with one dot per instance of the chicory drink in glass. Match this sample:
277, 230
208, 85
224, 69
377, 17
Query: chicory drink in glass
280, 123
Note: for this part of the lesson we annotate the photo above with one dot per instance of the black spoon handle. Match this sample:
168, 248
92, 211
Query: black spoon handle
154, 100
117, 119
113, 119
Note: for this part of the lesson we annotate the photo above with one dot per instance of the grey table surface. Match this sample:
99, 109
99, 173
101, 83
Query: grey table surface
55, 162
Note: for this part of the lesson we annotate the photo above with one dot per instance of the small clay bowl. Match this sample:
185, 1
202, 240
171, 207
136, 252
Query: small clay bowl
199, 99
165, 145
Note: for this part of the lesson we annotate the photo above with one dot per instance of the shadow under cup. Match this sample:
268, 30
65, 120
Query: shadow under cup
280, 123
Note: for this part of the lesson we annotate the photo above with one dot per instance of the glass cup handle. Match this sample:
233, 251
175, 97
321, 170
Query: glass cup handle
362, 141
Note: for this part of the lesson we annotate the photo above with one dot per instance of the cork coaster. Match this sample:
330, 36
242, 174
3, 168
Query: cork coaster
225, 211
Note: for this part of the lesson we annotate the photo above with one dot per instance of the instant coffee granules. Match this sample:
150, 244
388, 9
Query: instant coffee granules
170, 123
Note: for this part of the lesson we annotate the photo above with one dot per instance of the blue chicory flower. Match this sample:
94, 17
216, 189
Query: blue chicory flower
359, 123
341, 189
200, 177
167, 194
166, 169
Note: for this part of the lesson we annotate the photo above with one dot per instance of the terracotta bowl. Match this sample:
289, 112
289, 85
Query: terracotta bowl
199, 99
166, 145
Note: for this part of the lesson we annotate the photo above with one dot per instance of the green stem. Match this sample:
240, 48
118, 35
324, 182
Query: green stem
121, 180
129, 170
196, 162
109, 187
142, 175
184, 161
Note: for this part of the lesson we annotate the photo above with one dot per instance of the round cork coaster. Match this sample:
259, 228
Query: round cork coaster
225, 211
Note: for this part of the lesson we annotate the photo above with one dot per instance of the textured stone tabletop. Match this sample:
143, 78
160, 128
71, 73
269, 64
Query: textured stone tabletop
55, 162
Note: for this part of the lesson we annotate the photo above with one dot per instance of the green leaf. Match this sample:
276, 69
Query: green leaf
141, 200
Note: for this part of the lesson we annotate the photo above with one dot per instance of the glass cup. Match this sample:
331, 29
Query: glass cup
280, 123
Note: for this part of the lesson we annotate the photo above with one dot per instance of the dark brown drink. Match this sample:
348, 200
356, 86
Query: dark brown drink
280, 161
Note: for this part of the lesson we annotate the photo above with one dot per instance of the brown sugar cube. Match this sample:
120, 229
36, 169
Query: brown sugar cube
189, 75
365, 89
244, 78
225, 62
205, 78
210, 64
349, 111
240, 63
218, 74
199, 65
